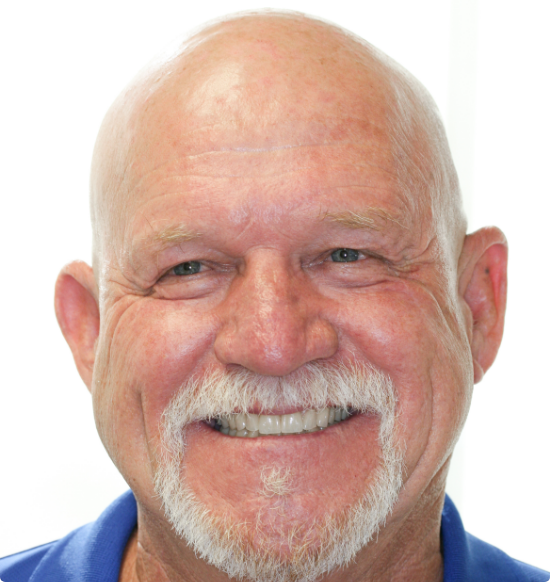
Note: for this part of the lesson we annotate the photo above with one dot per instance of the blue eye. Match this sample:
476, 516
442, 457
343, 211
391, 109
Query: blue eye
345, 255
189, 268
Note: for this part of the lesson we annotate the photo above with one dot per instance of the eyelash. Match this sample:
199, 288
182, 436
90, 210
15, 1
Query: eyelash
199, 265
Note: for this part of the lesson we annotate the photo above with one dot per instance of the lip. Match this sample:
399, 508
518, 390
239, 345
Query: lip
254, 409
350, 422
332, 447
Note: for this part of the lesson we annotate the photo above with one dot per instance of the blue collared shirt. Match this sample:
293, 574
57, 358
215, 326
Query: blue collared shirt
93, 553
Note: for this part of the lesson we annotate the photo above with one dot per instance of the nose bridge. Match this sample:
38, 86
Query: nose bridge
269, 325
269, 289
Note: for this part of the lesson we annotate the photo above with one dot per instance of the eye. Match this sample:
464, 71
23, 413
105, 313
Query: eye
345, 255
188, 268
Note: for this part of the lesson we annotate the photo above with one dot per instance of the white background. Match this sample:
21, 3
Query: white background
63, 62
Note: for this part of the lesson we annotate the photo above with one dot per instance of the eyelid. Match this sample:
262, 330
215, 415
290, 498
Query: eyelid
206, 266
170, 272
362, 254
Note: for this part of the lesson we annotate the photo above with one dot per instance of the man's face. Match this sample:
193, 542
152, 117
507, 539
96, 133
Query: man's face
266, 239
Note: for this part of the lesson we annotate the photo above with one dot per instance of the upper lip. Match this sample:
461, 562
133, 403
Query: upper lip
279, 411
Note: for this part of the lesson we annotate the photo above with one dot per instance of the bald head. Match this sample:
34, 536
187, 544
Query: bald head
268, 81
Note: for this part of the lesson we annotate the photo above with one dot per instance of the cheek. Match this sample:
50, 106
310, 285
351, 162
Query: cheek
408, 336
173, 349
155, 347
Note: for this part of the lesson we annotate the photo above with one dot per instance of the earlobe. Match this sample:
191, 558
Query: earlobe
483, 267
77, 311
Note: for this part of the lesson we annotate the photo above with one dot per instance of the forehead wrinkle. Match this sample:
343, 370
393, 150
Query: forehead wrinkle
214, 166
359, 143
274, 148
328, 129
211, 175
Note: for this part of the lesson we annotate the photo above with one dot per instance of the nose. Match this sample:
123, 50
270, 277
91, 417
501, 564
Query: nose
272, 322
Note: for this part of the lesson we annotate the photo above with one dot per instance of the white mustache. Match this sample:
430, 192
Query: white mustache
359, 387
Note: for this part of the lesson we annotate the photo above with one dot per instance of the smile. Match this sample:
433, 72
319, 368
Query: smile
255, 425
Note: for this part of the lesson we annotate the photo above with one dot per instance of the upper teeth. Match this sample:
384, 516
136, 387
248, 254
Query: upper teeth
253, 425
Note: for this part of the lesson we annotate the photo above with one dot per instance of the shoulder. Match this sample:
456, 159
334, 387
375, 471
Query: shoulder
532, 574
19, 567
93, 551
494, 563
469, 559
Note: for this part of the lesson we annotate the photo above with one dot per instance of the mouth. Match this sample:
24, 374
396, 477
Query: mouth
257, 425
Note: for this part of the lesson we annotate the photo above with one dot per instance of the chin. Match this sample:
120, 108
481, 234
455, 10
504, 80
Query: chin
269, 545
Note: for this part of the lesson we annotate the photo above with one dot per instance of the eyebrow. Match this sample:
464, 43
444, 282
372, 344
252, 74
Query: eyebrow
174, 234
370, 218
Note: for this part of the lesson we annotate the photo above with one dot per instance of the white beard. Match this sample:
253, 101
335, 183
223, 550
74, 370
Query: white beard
324, 544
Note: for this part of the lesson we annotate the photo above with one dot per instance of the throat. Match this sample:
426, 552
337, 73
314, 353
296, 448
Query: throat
128, 572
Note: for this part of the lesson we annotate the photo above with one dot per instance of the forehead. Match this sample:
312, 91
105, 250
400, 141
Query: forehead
264, 140
229, 185
320, 154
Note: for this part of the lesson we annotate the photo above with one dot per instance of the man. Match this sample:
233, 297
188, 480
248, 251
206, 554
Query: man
284, 321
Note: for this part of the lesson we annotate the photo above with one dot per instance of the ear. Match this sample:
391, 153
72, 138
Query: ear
482, 285
77, 311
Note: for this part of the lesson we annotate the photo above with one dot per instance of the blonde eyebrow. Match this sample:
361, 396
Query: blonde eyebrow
369, 218
174, 234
